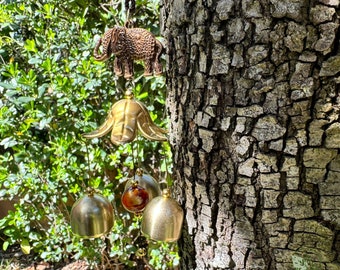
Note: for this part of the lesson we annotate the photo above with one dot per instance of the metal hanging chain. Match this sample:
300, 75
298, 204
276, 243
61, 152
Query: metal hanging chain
130, 7
130, 86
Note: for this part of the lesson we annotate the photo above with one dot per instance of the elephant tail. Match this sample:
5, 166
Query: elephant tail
100, 57
158, 49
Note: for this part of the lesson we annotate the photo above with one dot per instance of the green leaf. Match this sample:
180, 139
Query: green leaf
25, 246
30, 45
2, 193
5, 245
23, 100
47, 64
142, 95
35, 60
8, 142
7, 85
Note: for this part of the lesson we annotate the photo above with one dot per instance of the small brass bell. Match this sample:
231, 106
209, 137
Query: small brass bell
163, 218
146, 181
92, 216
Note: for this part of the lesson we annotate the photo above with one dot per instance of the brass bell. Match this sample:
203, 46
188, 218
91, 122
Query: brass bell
92, 216
163, 218
145, 181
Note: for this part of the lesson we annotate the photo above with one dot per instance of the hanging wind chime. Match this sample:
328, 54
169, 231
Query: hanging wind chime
162, 217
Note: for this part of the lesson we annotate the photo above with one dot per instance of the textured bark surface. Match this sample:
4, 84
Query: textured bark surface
254, 105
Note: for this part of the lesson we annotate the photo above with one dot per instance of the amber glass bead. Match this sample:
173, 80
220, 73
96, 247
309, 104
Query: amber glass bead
135, 198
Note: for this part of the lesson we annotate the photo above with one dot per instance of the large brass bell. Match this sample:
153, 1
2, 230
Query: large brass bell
92, 216
146, 181
163, 218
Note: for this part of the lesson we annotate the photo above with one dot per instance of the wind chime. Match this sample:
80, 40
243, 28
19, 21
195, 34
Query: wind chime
92, 215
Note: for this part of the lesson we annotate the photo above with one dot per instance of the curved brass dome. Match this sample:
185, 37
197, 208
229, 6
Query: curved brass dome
162, 219
92, 216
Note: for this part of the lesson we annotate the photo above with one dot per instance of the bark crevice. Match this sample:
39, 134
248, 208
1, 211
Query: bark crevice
254, 110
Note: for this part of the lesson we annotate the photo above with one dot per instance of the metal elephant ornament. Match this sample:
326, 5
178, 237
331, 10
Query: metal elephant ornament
92, 216
125, 118
129, 44
163, 218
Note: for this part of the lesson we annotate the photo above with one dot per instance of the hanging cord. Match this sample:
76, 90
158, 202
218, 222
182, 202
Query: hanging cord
133, 159
138, 151
86, 182
164, 183
130, 7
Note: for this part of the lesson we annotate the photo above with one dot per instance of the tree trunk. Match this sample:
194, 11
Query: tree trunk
254, 107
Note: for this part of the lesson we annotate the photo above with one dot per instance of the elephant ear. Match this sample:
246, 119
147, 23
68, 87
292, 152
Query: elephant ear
107, 41
118, 39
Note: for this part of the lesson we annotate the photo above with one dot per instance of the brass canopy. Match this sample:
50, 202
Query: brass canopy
125, 119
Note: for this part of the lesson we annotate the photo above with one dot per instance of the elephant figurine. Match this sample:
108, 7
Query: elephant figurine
129, 44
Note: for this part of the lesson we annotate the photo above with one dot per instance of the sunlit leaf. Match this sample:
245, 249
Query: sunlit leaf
8, 142
25, 246
30, 45
5, 245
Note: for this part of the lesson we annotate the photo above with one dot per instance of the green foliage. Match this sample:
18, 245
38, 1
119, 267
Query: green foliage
51, 91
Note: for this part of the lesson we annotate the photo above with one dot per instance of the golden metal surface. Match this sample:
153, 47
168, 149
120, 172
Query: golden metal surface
125, 119
162, 219
145, 181
92, 216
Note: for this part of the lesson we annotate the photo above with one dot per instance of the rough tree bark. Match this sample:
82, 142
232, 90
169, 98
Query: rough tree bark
254, 107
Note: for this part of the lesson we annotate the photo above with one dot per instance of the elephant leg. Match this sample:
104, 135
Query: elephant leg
148, 67
117, 66
157, 65
128, 68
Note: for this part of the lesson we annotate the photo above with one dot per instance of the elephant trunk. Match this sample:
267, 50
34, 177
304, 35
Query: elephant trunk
100, 57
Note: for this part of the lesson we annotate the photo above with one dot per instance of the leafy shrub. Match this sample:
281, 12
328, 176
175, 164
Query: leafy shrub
52, 90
